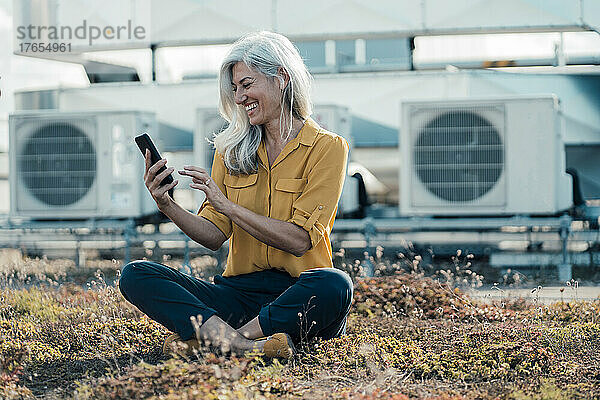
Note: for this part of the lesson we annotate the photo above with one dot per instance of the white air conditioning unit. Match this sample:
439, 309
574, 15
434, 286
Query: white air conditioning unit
333, 118
492, 156
79, 165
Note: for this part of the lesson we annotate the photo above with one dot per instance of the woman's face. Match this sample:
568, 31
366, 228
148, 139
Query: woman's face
258, 94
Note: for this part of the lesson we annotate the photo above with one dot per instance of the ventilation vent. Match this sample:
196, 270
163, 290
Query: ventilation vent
58, 164
458, 156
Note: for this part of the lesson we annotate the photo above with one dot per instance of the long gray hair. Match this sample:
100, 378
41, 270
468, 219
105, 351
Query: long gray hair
264, 52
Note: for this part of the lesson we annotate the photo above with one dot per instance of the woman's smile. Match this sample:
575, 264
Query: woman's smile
250, 108
259, 95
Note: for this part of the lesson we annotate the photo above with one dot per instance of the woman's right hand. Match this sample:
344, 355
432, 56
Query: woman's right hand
159, 193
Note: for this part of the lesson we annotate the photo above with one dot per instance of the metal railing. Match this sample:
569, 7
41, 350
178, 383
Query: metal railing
370, 232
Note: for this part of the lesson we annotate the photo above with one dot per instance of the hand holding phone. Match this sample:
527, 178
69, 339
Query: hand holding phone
145, 142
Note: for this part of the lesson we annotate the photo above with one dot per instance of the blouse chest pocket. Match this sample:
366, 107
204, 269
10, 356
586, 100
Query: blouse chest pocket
241, 189
291, 185
287, 191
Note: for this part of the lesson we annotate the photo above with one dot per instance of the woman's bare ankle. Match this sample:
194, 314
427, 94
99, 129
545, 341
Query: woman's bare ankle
251, 330
216, 333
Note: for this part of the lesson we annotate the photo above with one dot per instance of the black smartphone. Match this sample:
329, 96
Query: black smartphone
145, 142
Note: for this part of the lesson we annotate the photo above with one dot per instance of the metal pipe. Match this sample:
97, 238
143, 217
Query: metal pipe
525, 62
153, 48
565, 270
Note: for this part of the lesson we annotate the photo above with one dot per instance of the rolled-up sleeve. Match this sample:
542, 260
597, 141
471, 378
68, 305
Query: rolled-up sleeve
316, 206
206, 210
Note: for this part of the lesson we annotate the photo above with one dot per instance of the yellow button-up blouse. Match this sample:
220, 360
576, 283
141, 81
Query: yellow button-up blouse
302, 186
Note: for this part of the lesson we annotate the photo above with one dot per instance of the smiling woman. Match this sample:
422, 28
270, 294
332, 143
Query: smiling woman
273, 191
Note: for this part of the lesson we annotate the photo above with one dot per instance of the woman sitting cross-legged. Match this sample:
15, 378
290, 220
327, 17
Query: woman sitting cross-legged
273, 191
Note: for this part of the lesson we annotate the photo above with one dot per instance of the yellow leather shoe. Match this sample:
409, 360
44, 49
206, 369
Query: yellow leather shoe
174, 345
279, 345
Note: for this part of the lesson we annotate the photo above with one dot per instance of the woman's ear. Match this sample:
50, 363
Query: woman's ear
283, 77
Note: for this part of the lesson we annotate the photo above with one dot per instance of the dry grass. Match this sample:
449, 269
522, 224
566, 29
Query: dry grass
67, 333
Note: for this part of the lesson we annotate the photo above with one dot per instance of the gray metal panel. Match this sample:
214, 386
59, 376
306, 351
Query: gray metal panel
586, 160
211, 22
538, 259
36, 100
484, 15
214, 22
4, 196
3, 165
579, 96
367, 133
422, 224
175, 139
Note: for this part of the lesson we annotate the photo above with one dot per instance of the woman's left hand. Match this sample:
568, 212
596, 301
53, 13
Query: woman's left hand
201, 180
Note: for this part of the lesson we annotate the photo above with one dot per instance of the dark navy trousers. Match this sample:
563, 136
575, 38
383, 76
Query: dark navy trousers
314, 305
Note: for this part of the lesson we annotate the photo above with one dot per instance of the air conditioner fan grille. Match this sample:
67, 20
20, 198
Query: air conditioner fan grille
57, 164
458, 156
